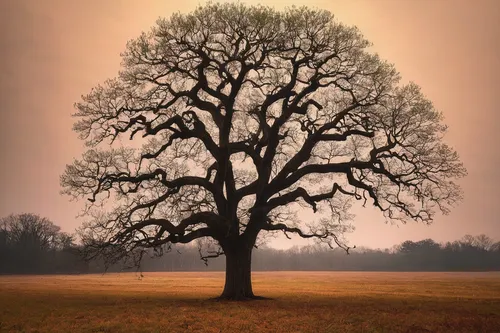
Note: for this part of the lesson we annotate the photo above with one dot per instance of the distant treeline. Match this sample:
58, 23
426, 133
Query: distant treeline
468, 254
33, 245
30, 244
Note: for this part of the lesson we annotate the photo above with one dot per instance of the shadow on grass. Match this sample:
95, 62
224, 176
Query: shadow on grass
244, 299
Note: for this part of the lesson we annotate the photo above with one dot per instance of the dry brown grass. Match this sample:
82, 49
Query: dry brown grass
302, 302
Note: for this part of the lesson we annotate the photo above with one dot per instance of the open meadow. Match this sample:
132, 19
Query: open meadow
300, 302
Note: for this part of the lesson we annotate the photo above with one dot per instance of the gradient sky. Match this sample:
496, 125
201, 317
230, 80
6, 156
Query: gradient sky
53, 51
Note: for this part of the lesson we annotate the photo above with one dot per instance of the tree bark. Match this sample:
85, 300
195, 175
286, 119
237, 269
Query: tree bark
238, 284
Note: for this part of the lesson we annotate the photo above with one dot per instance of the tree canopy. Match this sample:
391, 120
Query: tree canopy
240, 116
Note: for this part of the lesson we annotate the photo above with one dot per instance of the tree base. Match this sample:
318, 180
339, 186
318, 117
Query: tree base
223, 298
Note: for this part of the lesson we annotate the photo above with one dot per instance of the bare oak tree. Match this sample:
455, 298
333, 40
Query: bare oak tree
245, 115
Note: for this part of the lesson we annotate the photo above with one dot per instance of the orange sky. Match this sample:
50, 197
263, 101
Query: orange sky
52, 51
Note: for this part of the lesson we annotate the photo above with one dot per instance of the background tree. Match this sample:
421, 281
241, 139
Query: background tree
246, 115
28, 244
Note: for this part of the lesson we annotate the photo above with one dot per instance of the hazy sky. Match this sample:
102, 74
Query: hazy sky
53, 51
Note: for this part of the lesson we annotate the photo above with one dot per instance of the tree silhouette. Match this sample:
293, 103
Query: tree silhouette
246, 114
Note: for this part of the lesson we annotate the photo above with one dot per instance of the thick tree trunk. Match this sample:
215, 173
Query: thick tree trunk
238, 284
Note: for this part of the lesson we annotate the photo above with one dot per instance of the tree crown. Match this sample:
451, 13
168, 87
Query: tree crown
244, 114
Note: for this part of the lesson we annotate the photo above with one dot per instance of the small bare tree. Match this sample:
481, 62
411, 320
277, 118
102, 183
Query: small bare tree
28, 243
245, 114
30, 232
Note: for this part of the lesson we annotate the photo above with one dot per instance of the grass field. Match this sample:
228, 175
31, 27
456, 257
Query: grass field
301, 302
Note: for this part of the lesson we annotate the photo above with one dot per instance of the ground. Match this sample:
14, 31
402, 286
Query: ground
301, 302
